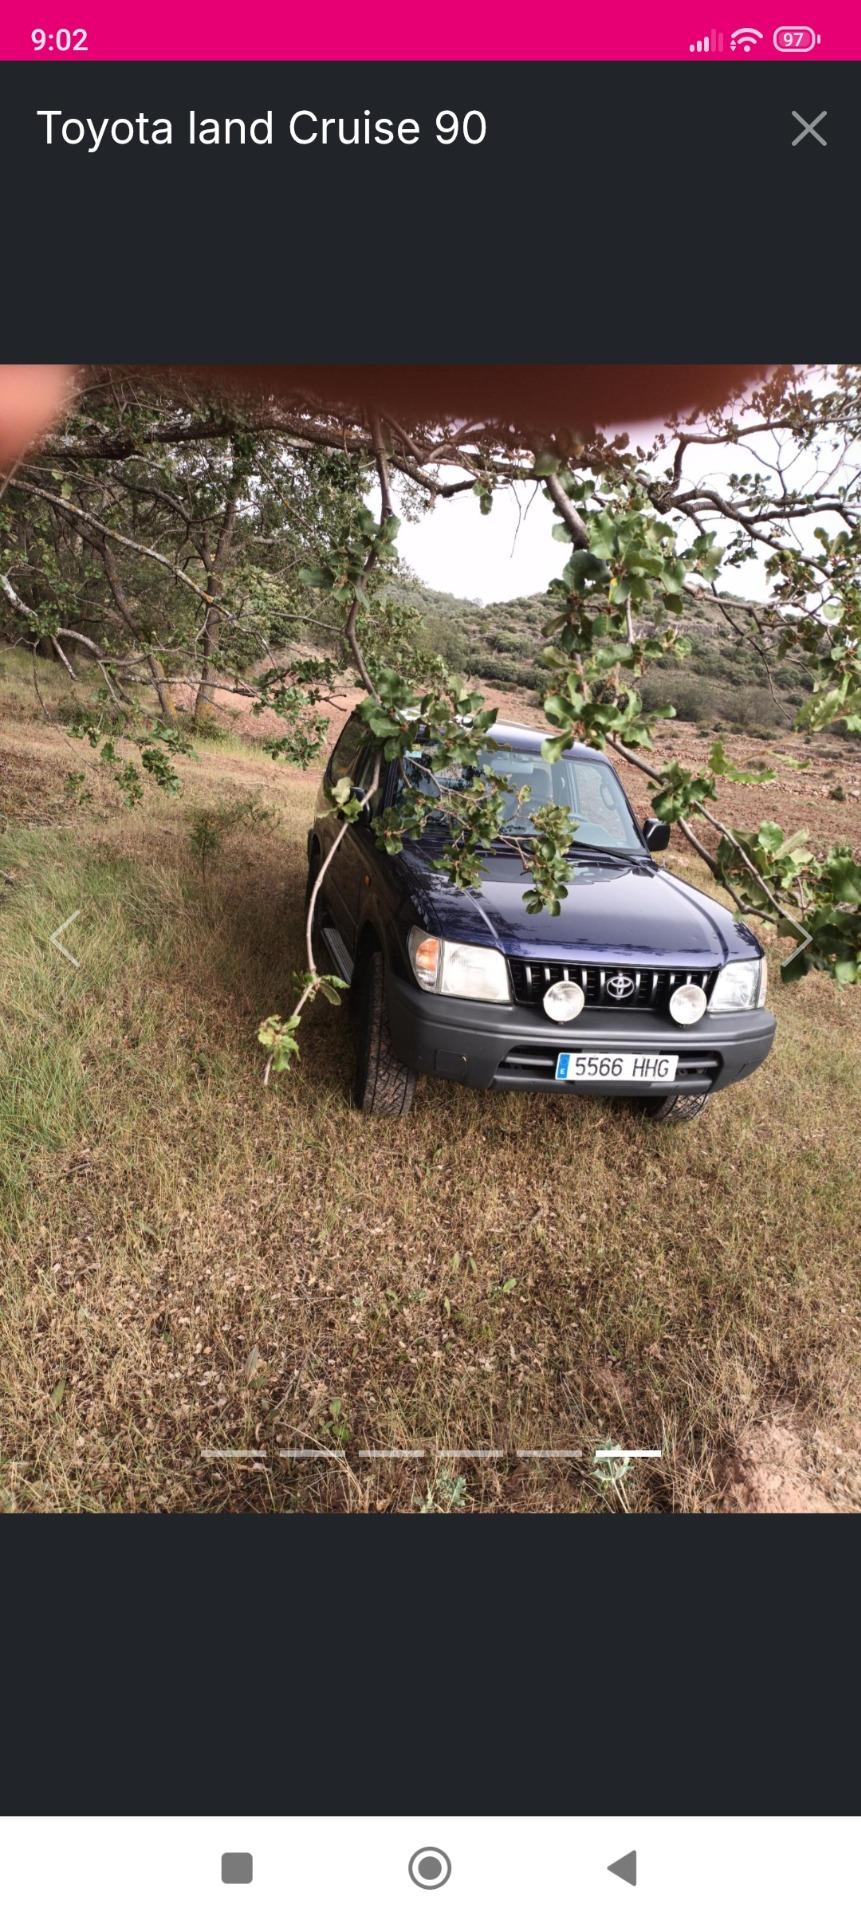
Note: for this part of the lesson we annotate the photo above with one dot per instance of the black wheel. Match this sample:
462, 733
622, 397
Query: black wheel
383, 1086
673, 1108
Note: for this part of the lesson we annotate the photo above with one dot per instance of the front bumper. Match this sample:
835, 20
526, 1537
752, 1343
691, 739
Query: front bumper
485, 1045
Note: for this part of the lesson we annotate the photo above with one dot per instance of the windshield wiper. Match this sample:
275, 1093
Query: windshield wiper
620, 855
511, 842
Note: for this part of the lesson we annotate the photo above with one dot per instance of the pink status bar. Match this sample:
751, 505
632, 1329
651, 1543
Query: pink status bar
56, 33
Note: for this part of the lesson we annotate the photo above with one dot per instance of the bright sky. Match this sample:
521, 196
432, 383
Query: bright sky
510, 552
500, 556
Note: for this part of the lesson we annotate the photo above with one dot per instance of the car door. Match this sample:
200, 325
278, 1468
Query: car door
340, 881
356, 852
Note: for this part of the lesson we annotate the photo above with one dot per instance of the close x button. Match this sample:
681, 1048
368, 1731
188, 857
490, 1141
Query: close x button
810, 127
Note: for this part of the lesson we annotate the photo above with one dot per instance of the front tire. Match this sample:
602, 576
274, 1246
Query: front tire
674, 1108
383, 1087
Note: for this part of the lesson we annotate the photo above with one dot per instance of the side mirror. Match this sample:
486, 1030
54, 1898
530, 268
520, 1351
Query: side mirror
656, 834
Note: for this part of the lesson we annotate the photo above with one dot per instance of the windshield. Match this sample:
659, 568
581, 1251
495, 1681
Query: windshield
588, 788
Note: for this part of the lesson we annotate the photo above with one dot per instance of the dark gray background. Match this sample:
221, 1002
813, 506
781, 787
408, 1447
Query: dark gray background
614, 213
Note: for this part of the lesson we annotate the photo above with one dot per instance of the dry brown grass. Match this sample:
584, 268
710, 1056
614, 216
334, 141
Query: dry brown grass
192, 1262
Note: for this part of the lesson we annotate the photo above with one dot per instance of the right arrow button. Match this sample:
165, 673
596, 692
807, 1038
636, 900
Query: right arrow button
625, 1869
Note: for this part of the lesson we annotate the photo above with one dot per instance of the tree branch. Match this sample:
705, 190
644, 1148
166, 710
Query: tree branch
32, 618
567, 511
77, 513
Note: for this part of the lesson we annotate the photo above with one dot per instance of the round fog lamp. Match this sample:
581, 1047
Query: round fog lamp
688, 1004
564, 1000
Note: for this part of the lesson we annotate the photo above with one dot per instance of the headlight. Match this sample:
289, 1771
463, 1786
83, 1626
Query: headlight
739, 986
449, 966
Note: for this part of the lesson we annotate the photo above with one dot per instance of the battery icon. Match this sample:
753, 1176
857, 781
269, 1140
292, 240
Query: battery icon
795, 39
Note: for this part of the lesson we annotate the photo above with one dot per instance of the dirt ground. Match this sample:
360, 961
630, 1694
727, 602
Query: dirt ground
782, 1467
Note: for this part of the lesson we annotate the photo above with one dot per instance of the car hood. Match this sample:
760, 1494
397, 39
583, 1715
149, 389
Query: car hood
639, 914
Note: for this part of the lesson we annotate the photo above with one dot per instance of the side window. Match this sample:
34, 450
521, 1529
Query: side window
600, 801
364, 773
346, 751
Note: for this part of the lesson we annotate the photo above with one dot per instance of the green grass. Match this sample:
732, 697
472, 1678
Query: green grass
231, 746
192, 1261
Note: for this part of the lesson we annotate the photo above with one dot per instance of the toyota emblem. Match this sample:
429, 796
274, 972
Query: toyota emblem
620, 985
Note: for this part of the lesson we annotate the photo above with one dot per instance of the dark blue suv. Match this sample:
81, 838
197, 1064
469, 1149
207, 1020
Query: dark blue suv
641, 987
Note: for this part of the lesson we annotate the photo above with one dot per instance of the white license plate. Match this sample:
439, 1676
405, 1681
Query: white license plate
628, 1068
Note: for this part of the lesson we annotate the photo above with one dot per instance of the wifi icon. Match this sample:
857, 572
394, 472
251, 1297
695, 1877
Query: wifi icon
745, 38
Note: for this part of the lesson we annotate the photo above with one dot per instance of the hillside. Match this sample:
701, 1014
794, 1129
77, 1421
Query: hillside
722, 679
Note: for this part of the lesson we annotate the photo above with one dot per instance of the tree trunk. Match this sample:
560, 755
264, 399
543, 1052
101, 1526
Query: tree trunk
205, 708
164, 692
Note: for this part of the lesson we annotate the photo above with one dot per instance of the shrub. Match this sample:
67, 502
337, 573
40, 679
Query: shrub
693, 697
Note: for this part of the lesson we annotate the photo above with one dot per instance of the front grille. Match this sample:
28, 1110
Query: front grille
650, 987
531, 1061
697, 1066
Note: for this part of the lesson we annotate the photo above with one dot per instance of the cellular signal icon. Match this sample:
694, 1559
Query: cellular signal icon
745, 38
711, 42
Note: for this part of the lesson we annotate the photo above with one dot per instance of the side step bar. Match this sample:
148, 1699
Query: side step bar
339, 952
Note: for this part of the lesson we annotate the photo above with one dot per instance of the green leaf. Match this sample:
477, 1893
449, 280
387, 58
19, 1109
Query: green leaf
844, 877
316, 577
729, 771
553, 749
383, 727
585, 565
332, 986
770, 836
